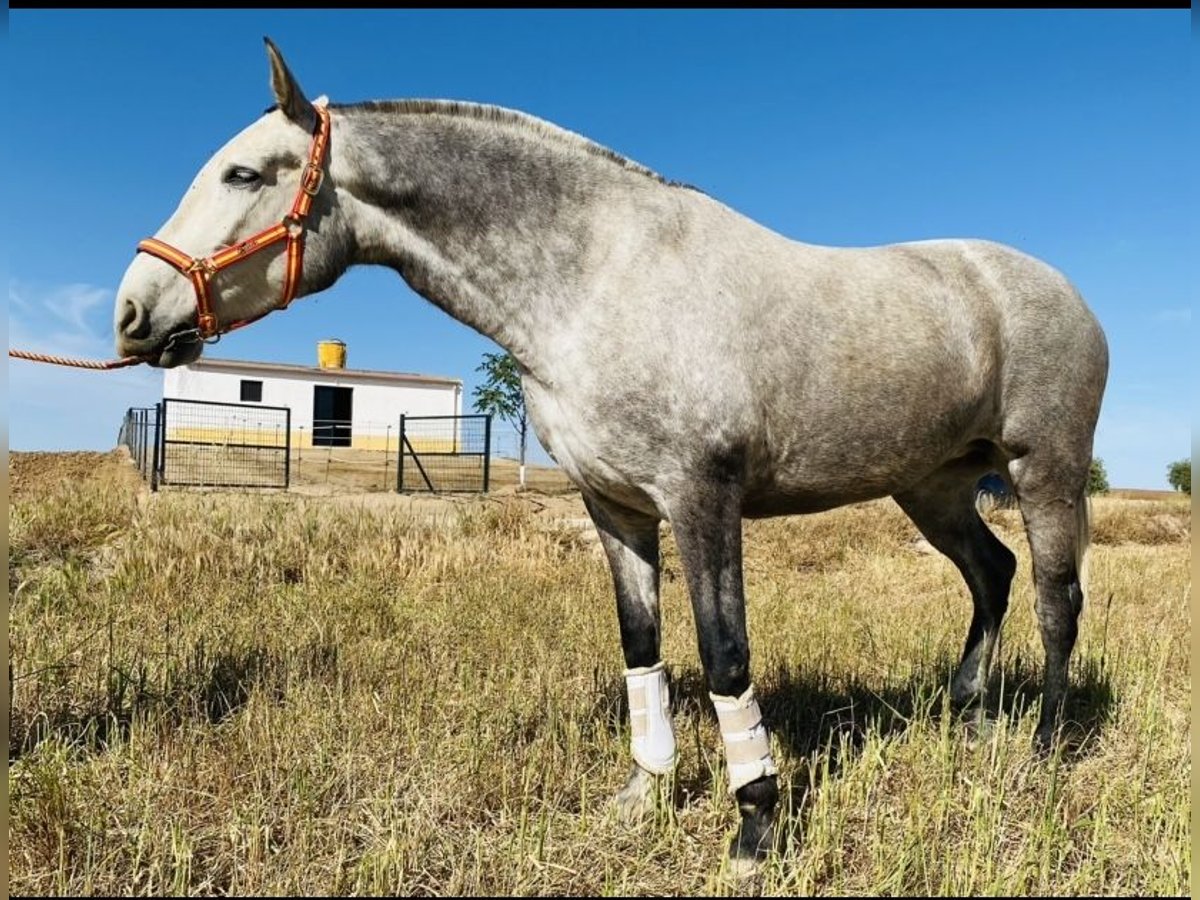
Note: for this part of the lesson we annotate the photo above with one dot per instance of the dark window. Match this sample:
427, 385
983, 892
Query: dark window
252, 392
332, 408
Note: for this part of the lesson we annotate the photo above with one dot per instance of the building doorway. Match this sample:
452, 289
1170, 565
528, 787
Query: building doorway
332, 413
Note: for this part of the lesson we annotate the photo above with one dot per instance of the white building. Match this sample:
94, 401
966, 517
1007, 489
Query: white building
330, 406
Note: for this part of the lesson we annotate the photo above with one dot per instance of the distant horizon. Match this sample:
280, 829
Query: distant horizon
552, 465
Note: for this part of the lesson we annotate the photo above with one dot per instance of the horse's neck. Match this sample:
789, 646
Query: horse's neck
505, 234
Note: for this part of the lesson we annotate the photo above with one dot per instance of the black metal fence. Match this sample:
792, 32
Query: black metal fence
444, 453
199, 443
206, 444
139, 432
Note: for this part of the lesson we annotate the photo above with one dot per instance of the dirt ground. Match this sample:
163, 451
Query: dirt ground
345, 470
557, 510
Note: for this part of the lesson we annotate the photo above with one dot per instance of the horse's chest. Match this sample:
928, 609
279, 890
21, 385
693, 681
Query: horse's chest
570, 439
590, 452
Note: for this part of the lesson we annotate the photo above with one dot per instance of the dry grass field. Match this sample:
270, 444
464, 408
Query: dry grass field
222, 693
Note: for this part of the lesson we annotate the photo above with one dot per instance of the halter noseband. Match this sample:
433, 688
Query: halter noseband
291, 228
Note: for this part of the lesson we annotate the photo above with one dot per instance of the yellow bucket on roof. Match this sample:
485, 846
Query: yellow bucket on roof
331, 354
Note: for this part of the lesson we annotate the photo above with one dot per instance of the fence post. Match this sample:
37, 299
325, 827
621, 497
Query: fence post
400, 461
387, 448
162, 441
487, 450
159, 428
287, 449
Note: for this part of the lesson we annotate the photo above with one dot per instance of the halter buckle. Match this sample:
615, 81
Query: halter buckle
312, 179
202, 265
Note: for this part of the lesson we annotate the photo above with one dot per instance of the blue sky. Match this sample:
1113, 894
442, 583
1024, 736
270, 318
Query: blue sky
1062, 133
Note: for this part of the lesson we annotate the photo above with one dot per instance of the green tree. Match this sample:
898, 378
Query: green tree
1097, 482
1179, 475
501, 395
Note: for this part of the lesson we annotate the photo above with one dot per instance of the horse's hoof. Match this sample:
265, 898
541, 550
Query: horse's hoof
1044, 740
743, 868
638, 799
753, 844
979, 727
964, 691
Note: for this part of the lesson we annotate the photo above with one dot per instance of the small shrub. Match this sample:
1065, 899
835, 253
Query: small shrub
1097, 482
1179, 475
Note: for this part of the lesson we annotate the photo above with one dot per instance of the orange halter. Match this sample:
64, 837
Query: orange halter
201, 271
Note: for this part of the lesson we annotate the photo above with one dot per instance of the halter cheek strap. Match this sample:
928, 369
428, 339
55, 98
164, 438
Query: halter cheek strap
291, 230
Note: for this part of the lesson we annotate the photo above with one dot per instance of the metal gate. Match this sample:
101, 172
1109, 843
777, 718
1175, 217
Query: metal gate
198, 443
224, 444
444, 453
139, 432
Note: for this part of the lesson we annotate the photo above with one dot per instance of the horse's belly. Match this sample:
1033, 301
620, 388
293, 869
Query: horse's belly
801, 460
781, 501
824, 463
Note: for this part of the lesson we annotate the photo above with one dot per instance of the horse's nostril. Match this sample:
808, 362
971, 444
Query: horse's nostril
134, 323
128, 314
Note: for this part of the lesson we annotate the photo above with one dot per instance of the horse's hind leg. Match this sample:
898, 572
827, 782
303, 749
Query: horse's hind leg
1052, 492
630, 541
943, 509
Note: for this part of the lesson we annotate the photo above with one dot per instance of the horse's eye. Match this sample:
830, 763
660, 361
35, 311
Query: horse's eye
239, 176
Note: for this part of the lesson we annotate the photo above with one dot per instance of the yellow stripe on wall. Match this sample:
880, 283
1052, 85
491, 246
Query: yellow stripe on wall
302, 438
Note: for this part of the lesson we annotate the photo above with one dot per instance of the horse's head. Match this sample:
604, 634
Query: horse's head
199, 275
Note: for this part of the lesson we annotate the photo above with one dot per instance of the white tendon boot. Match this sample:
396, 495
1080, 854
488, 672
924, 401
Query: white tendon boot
653, 741
747, 745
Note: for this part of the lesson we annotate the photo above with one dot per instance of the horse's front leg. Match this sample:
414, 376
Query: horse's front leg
708, 530
630, 540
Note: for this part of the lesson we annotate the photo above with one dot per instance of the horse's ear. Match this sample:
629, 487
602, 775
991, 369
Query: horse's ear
287, 90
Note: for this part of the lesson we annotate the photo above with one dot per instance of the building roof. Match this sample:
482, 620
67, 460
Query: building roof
316, 372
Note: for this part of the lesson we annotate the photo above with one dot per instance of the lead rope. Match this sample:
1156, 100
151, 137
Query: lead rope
77, 363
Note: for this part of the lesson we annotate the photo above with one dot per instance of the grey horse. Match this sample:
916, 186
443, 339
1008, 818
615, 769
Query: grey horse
683, 363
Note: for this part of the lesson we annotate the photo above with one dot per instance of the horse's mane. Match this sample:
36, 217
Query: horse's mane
498, 114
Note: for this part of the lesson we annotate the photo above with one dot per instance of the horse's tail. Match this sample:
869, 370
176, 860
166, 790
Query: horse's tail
1083, 535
